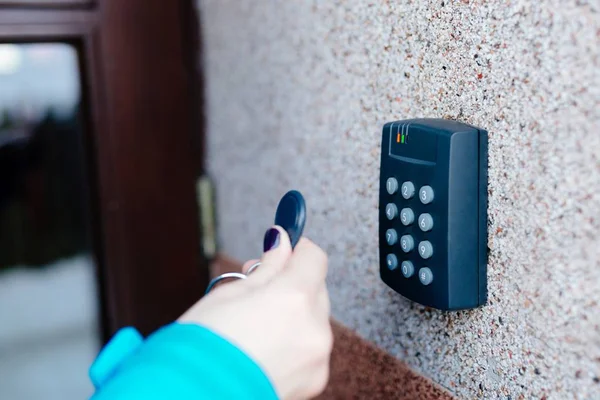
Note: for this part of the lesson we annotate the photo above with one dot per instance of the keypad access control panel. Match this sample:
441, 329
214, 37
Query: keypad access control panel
433, 212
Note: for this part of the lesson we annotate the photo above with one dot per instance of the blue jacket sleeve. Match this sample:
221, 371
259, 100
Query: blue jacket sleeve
179, 361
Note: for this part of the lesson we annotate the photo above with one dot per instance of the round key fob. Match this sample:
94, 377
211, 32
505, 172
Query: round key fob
291, 215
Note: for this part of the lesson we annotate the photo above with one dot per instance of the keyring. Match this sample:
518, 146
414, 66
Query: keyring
229, 275
219, 278
253, 267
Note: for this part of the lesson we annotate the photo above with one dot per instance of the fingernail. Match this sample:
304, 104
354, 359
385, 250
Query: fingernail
271, 239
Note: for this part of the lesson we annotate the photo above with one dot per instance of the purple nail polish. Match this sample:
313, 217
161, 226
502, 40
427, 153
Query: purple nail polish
271, 239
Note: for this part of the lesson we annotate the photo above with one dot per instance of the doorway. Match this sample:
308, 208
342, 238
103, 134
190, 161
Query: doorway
101, 147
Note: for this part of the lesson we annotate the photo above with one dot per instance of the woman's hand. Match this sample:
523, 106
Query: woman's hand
279, 316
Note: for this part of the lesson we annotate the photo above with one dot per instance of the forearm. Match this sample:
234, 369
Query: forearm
182, 361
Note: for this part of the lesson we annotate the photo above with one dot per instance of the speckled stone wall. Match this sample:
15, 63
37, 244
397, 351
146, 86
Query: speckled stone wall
297, 94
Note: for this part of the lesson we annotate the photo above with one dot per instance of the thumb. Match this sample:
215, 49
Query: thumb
278, 250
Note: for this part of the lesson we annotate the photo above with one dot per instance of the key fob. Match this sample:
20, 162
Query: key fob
291, 215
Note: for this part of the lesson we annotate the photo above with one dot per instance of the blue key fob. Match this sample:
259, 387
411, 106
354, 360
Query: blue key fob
291, 215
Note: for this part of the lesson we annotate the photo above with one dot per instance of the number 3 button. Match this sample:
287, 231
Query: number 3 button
426, 194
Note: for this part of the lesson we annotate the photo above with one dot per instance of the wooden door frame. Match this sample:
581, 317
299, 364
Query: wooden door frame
144, 142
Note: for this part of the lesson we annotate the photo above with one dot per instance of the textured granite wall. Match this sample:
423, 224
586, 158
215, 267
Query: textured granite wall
297, 94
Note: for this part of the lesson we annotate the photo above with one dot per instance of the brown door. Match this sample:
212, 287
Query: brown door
140, 146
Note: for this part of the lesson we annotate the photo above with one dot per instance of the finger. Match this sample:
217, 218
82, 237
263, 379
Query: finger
278, 251
247, 265
324, 303
307, 267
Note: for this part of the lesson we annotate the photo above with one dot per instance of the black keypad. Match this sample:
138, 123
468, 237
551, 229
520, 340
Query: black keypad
433, 212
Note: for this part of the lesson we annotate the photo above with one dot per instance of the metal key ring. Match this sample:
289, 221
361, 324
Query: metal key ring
221, 277
253, 267
230, 275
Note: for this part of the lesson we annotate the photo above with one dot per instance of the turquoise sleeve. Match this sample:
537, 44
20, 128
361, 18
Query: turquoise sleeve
179, 361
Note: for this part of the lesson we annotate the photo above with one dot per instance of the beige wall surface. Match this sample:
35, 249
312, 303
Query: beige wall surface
297, 94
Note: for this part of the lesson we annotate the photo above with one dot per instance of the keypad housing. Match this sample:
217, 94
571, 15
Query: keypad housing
448, 160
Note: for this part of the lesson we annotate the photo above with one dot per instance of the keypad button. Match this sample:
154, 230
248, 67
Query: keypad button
408, 190
425, 249
391, 261
425, 222
407, 216
391, 185
408, 269
391, 237
391, 211
407, 243
426, 194
425, 276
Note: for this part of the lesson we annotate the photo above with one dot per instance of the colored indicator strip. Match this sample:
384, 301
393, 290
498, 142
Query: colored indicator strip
400, 138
